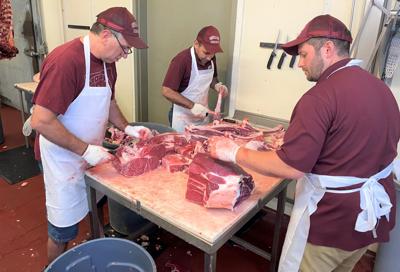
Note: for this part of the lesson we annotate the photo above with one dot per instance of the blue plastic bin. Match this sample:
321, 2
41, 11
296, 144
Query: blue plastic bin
104, 255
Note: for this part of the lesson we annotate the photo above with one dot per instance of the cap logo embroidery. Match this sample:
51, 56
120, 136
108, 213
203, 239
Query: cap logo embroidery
135, 27
213, 39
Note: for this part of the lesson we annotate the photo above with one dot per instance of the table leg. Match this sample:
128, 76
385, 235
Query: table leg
210, 262
277, 230
21, 101
93, 213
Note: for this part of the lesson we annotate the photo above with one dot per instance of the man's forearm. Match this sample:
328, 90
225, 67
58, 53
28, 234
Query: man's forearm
213, 82
266, 163
47, 124
176, 98
116, 117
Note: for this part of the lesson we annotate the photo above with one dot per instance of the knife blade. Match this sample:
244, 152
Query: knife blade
273, 53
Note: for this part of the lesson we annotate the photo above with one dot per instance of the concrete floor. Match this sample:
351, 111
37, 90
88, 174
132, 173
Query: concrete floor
23, 228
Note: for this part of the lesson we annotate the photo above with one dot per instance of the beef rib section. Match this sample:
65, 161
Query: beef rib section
216, 184
132, 161
240, 132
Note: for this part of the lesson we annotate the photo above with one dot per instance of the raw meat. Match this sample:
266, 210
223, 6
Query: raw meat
217, 111
175, 163
216, 184
7, 43
118, 137
170, 140
133, 161
241, 132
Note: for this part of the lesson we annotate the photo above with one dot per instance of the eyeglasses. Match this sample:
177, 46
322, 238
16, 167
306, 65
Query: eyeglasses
126, 50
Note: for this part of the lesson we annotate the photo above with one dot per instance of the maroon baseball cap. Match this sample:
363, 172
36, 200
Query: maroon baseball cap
122, 21
323, 26
210, 38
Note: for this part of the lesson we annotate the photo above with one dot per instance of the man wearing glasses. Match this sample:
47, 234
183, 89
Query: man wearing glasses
74, 102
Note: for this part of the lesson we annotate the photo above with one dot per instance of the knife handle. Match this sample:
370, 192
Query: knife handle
271, 57
292, 61
281, 60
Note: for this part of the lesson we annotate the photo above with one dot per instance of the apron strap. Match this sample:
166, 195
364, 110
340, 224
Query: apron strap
86, 48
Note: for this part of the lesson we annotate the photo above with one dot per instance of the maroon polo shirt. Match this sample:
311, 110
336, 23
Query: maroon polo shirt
62, 78
348, 124
178, 74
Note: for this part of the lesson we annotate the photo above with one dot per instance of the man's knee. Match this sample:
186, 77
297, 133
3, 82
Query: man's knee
62, 234
321, 259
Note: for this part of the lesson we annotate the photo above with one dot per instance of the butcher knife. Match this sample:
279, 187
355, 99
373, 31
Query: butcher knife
292, 61
283, 56
273, 53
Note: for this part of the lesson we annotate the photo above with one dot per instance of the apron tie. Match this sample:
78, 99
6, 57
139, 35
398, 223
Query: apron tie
374, 200
374, 203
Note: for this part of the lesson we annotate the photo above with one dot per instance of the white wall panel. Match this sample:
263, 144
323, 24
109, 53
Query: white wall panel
52, 20
76, 12
275, 92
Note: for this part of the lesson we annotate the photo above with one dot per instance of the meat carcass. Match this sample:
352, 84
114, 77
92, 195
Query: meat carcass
7, 44
241, 132
116, 136
216, 184
132, 161
217, 111
170, 140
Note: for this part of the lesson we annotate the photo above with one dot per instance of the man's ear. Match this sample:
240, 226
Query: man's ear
328, 49
106, 34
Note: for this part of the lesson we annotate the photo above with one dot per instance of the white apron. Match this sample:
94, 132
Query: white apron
86, 118
374, 202
196, 91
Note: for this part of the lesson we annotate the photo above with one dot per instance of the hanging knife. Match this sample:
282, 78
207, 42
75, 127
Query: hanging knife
292, 61
283, 56
273, 53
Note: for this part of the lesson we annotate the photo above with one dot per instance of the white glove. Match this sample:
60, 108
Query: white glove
96, 154
138, 132
223, 148
255, 145
199, 110
221, 88
27, 128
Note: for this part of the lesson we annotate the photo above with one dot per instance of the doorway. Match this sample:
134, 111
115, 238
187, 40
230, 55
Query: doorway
29, 41
170, 27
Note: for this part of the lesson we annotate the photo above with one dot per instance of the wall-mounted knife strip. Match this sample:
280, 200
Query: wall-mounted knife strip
270, 45
79, 27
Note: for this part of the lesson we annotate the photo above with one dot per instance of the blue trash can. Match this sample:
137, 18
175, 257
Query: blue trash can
122, 219
104, 255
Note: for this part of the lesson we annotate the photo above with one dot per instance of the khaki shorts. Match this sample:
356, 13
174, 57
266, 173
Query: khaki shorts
327, 259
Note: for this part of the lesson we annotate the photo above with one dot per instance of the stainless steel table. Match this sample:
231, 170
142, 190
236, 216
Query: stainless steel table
159, 196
